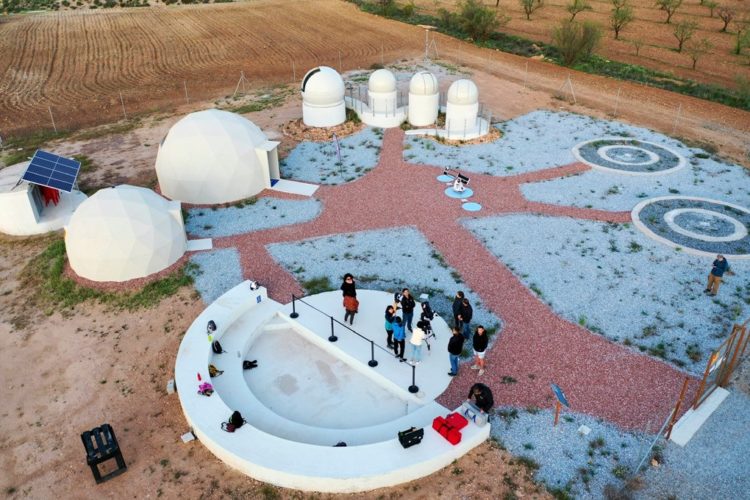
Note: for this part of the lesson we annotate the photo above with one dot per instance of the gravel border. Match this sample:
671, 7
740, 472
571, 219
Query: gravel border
217, 272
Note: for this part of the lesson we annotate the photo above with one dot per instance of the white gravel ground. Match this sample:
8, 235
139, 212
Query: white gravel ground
264, 213
317, 162
218, 271
617, 282
381, 260
570, 462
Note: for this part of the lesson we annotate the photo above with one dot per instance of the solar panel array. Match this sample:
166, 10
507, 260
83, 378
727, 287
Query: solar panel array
47, 169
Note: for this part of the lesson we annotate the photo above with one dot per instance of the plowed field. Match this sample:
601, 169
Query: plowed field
78, 62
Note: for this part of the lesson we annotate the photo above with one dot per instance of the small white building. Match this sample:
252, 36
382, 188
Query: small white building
124, 233
215, 156
323, 98
23, 210
381, 92
462, 108
424, 99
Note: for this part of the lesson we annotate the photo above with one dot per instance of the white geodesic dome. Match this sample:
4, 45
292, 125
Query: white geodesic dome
323, 98
210, 157
123, 233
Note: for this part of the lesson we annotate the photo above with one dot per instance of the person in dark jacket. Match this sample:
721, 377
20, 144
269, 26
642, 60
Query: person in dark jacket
720, 266
479, 343
457, 301
455, 348
349, 291
407, 307
482, 396
390, 313
465, 316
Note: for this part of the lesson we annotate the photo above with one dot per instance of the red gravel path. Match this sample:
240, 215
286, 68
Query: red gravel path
536, 346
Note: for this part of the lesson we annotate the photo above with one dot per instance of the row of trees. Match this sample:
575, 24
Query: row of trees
576, 40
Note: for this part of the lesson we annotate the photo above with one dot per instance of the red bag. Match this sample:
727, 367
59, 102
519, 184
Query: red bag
438, 423
454, 436
457, 421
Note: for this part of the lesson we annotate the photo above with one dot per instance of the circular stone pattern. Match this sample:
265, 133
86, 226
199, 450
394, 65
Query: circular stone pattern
628, 156
697, 225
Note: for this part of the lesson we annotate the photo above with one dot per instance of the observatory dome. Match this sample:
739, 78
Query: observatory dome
123, 233
383, 81
423, 83
210, 157
463, 92
322, 86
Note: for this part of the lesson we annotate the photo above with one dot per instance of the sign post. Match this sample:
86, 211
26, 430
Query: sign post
561, 400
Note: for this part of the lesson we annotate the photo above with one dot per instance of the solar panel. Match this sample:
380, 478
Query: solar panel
47, 169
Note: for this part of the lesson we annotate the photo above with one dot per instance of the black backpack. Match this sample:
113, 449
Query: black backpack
235, 422
216, 347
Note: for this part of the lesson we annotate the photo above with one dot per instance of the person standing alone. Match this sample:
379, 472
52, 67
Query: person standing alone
479, 343
465, 316
720, 266
455, 348
458, 301
351, 304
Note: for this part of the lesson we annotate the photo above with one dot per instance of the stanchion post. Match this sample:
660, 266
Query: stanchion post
413, 387
373, 362
294, 314
557, 413
333, 337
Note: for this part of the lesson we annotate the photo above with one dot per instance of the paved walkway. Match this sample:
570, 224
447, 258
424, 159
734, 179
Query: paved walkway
536, 346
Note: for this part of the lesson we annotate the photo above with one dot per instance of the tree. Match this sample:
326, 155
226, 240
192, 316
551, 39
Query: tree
683, 31
576, 41
726, 14
699, 49
711, 6
742, 38
638, 43
529, 6
577, 6
479, 21
622, 15
669, 6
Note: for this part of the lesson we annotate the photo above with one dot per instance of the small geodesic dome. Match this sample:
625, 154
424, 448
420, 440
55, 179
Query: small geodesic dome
323, 98
123, 233
463, 106
424, 99
215, 156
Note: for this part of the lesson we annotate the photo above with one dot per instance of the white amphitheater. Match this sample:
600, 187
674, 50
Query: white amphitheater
309, 393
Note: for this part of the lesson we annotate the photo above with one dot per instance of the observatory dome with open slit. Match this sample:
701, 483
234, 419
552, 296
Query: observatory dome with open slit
463, 92
423, 83
123, 233
323, 98
215, 156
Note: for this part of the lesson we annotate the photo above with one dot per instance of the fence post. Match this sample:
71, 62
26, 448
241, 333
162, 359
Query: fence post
294, 314
122, 102
617, 102
413, 387
294, 73
373, 362
333, 337
184, 85
677, 408
52, 118
676, 119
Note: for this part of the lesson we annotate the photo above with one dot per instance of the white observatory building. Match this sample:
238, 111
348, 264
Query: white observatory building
462, 108
215, 156
424, 99
323, 98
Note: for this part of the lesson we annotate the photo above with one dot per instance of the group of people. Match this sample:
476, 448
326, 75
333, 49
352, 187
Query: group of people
396, 327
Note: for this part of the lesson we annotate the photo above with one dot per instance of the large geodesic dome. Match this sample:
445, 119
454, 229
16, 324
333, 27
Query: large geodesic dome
215, 156
123, 233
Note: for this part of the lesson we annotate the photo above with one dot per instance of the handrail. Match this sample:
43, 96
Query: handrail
413, 388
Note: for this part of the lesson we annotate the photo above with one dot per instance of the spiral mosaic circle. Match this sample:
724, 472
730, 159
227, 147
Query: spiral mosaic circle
696, 225
628, 156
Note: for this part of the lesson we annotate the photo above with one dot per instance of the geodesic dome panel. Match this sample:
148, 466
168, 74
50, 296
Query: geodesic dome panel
124, 233
463, 92
382, 80
209, 157
423, 83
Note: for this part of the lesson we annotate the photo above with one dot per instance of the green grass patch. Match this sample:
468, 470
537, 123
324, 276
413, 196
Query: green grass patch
18, 149
317, 285
54, 291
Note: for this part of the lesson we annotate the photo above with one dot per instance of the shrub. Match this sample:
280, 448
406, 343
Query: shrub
577, 6
479, 21
529, 6
622, 15
576, 41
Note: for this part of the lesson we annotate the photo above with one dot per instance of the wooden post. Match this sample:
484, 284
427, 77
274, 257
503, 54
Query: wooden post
294, 73
184, 84
738, 330
617, 101
703, 381
122, 102
676, 119
557, 412
49, 108
526, 74
677, 407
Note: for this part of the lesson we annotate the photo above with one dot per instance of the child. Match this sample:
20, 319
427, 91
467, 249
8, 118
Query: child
398, 338
389, 315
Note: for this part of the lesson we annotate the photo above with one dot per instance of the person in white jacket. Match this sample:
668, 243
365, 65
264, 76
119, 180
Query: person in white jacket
415, 343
